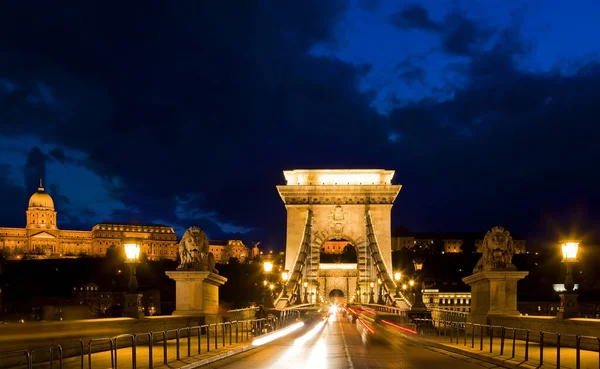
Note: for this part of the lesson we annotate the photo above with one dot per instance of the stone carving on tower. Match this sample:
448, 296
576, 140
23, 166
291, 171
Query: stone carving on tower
497, 250
194, 252
337, 220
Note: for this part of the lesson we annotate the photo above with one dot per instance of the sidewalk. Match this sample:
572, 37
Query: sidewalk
588, 359
124, 356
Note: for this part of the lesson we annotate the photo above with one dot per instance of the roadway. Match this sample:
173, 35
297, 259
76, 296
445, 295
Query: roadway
337, 344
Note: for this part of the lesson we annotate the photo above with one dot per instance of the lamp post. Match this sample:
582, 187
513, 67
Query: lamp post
380, 292
372, 299
268, 267
418, 305
397, 277
133, 299
284, 277
305, 292
298, 295
358, 294
568, 299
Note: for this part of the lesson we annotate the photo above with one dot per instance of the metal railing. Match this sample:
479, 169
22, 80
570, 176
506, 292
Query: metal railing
448, 315
241, 314
524, 344
386, 309
209, 337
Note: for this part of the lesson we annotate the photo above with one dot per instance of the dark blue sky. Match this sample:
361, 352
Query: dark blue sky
187, 112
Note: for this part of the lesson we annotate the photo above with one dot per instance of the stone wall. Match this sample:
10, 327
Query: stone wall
568, 328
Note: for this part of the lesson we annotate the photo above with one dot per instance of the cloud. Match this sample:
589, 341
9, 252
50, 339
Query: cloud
414, 17
35, 168
503, 144
459, 34
82, 198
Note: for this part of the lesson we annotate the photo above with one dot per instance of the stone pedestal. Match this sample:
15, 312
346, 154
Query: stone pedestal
197, 293
133, 306
493, 292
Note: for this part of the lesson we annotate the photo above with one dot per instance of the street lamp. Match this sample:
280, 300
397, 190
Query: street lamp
268, 266
418, 305
380, 292
418, 263
133, 299
372, 299
568, 299
358, 294
397, 277
305, 292
284, 278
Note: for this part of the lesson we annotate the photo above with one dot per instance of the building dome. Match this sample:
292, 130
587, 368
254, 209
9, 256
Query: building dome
40, 199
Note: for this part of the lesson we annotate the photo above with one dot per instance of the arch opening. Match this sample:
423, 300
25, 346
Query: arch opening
338, 251
336, 296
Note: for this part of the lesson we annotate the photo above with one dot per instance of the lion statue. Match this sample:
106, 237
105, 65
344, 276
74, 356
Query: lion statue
496, 250
194, 251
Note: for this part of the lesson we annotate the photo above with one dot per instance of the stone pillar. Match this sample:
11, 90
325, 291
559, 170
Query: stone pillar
493, 292
197, 293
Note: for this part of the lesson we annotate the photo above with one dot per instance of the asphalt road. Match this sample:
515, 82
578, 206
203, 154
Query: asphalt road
336, 344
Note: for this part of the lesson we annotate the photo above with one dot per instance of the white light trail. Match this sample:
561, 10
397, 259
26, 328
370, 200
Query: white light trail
318, 357
310, 334
275, 335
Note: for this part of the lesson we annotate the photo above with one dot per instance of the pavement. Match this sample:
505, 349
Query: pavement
491, 353
143, 355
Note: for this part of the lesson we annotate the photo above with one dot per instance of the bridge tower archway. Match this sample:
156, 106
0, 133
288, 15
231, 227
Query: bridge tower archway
337, 297
337, 205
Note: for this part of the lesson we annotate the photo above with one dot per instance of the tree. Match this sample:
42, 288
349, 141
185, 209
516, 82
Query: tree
5, 253
349, 254
115, 253
227, 254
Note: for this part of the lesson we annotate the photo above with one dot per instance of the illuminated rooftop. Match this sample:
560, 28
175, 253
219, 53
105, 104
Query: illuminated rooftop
341, 266
320, 177
131, 227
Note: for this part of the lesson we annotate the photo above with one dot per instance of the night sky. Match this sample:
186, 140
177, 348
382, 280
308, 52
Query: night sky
187, 112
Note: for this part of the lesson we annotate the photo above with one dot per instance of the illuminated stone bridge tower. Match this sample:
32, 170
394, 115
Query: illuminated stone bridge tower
352, 205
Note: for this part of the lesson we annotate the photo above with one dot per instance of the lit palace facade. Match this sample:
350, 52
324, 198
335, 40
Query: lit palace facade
42, 238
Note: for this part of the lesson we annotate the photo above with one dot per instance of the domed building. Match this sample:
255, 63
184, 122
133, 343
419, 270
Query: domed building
41, 213
41, 237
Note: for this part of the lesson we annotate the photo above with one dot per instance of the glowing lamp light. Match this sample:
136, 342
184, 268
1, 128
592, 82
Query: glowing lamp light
372, 284
271, 287
268, 266
418, 265
397, 276
378, 281
569, 250
305, 284
404, 286
411, 282
285, 275
132, 249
